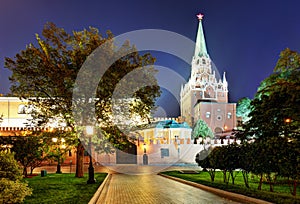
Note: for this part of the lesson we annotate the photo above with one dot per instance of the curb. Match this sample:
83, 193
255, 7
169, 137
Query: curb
99, 190
222, 193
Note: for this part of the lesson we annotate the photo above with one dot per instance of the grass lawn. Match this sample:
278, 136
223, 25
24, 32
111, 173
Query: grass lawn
281, 192
62, 188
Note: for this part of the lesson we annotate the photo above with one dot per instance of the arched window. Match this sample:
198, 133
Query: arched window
22, 109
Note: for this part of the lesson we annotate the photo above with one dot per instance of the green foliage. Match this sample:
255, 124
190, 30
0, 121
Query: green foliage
228, 161
29, 151
225, 158
201, 129
13, 191
9, 167
243, 109
278, 99
56, 143
207, 159
45, 74
275, 122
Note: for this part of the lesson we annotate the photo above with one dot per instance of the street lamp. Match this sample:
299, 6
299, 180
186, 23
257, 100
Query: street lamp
287, 128
90, 132
287, 120
178, 144
145, 148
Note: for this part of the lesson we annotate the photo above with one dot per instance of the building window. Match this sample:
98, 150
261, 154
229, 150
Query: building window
21, 109
229, 115
164, 152
207, 114
219, 117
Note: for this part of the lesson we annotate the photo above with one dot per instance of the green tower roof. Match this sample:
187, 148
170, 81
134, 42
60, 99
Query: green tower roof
200, 49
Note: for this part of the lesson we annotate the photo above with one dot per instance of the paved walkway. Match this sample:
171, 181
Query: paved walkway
153, 189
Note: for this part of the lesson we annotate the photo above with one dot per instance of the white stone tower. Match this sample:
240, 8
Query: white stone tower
203, 84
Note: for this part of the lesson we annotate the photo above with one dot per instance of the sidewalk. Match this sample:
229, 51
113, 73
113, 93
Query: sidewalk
153, 189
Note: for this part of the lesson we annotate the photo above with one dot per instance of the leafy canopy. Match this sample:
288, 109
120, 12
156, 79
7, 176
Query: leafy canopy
276, 105
201, 129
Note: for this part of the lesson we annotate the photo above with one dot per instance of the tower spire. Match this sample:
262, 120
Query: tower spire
200, 49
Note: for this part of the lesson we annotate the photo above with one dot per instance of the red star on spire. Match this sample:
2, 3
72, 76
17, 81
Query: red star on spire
200, 16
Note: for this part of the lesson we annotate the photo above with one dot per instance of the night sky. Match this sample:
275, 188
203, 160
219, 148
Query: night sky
244, 38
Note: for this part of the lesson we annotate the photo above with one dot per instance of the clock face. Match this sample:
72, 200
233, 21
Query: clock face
219, 117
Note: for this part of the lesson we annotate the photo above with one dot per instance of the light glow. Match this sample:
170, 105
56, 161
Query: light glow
89, 130
287, 120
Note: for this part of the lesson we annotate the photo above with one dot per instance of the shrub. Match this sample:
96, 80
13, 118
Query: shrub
13, 191
9, 167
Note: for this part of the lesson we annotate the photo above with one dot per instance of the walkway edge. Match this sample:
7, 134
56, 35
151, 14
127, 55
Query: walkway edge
225, 194
99, 190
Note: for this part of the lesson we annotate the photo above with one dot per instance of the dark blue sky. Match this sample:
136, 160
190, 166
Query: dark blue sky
244, 38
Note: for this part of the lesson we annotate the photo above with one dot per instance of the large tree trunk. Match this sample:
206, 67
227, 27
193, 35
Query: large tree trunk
25, 172
79, 160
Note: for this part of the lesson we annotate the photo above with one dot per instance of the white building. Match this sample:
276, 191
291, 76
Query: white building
205, 95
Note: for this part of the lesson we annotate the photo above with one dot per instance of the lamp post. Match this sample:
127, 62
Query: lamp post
90, 132
144, 148
178, 144
287, 128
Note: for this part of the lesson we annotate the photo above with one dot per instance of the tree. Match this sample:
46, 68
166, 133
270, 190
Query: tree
228, 161
46, 73
243, 109
245, 162
56, 144
275, 121
12, 190
269, 155
202, 130
29, 151
208, 161
277, 100
289, 164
